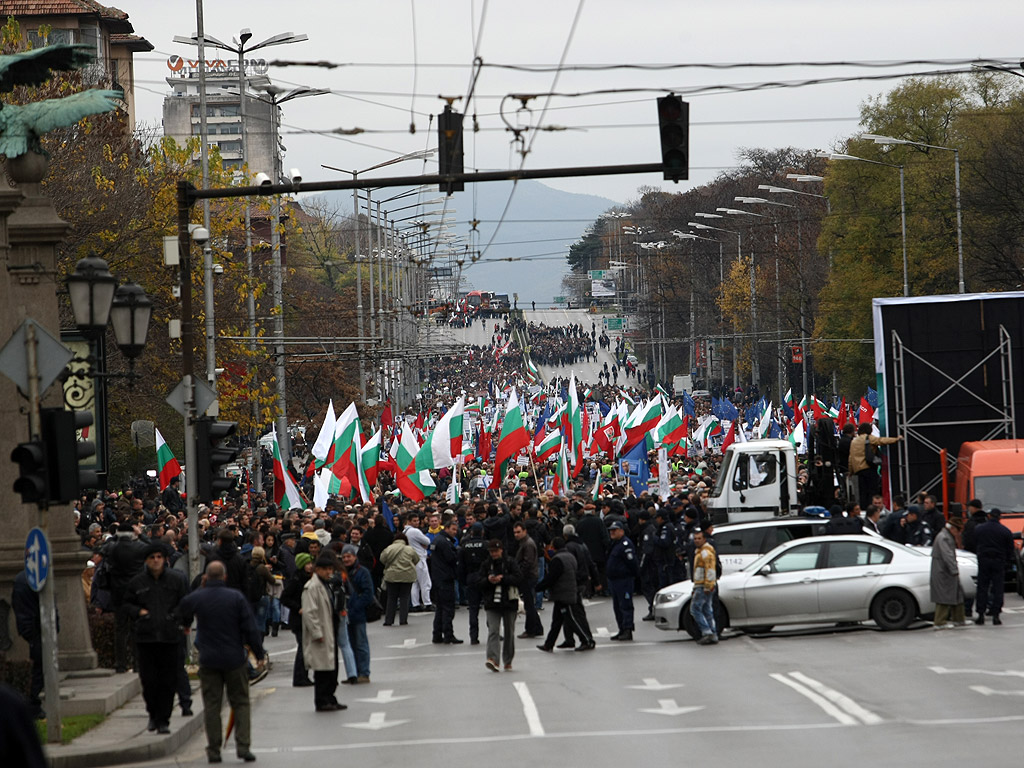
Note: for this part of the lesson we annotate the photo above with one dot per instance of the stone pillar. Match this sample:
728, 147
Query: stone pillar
30, 231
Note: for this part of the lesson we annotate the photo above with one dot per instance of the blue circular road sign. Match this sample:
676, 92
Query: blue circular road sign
37, 559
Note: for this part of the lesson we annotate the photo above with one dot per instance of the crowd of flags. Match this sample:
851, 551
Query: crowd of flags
549, 426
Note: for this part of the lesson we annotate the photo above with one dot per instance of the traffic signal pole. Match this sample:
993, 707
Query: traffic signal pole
187, 370
47, 596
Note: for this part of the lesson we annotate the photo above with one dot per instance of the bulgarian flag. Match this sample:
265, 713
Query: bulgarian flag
672, 428
561, 484
286, 495
369, 458
322, 446
594, 494
788, 399
477, 406
766, 421
796, 437
606, 434
169, 466
643, 419
574, 423
414, 484
485, 436
514, 438
627, 398
661, 390
707, 429
548, 446
533, 370
730, 437
341, 457
444, 443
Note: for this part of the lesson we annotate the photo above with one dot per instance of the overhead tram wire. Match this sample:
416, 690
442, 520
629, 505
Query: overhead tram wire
522, 163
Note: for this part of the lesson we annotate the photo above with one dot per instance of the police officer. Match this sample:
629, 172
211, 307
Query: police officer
472, 555
995, 549
648, 569
664, 547
622, 570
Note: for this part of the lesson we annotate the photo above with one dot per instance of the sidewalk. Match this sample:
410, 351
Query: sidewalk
122, 737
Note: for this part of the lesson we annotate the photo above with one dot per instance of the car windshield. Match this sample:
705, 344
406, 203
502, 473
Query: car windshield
1004, 492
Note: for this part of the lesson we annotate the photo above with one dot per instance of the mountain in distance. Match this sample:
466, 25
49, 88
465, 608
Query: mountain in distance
540, 221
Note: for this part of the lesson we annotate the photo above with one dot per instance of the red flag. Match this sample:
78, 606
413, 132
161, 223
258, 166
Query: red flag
866, 412
842, 414
387, 420
731, 437
419, 421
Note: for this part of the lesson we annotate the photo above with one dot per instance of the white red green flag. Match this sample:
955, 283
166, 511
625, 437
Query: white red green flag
370, 459
414, 484
169, 466
444, 443
324, 440
644, 418
707, 429
574, 421
513, 439
286, 494
561, 484
548, 446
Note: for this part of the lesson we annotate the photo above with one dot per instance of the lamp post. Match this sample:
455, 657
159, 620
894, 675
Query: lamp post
956, 185
690, 236
755, 365
739, 256
420, 155
903, 204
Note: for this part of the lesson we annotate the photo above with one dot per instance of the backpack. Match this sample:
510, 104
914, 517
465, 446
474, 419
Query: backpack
255, 588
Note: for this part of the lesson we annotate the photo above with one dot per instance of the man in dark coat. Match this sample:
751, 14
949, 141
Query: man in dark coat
527, 560
946, 591
560, 581
236, 570
27, 621
225, 626
623, 568
124, 556
594, 535
995, 549
444, 570
152, 600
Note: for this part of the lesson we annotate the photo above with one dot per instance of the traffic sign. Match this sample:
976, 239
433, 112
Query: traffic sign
597, 274
559, 300
37, 559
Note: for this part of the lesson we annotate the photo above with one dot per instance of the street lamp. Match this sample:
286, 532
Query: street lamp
956, 183
903, 203
129, 315
739, 256
755, 368
91, 288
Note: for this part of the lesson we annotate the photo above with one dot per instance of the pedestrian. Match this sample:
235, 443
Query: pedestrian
152, 600
560, 583
225, 626
865, 461
500, 580
994, 543
28, 622
705, 581
360, 597
946, 590
123, 556
418, 541
319, 645
399, 561
291, 598
444, 568
472, 556
622, 569
526, 560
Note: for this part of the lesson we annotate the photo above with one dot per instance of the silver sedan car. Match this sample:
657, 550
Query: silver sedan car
819, 580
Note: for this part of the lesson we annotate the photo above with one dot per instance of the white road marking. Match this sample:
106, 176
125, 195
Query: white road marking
669, 707
602, 632
986, 691
842, 700
410, 643
385, 696
529, 709
821, 701
652, 684
375, 723
455, 740
994, 673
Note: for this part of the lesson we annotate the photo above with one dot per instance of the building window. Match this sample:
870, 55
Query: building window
55, 37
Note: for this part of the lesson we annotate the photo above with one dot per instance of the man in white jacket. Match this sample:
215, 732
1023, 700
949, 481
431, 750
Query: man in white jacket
418, 541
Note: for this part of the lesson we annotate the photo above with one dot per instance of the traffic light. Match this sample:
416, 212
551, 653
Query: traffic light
674, 125
449, 145
65, 452
33, 481
212, 454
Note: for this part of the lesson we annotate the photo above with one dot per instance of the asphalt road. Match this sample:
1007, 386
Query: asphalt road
586, 372
850, 697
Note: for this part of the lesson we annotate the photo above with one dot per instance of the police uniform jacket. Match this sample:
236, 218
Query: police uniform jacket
622, 561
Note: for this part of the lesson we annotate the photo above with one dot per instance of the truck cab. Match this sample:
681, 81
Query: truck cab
993, 471
757, 481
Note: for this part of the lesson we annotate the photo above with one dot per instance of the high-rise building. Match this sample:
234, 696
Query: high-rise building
224, 120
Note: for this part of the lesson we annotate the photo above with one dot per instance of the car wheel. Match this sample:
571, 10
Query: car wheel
760, 629
893, 609
688, 623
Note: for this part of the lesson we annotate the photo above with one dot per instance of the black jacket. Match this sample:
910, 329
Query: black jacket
160, 597
225, 625
622, 560
587, 576
496, 596
560, 578
291, 597
444, 561
994, 542
472, 555
26, 610
237, 572
593, 533
124, 558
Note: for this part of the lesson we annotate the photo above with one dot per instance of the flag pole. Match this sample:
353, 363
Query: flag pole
533, 466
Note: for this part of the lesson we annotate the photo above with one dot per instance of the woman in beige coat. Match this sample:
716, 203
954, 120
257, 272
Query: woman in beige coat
399, 561
319, 649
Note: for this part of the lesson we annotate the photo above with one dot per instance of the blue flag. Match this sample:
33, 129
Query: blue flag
872, 398
389, 516
729, 410
688, 408
775, 430
634, 467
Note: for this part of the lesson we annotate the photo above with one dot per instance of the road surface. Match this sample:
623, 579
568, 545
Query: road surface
586, 372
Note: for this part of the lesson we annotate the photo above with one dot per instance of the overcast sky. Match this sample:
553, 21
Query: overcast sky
612, 128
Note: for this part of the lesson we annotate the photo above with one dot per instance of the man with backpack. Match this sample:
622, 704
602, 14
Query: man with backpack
865, 460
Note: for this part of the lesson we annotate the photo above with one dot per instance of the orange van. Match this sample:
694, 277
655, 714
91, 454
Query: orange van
993, 471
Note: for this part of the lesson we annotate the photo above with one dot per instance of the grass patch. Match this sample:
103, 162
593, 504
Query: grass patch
71, 727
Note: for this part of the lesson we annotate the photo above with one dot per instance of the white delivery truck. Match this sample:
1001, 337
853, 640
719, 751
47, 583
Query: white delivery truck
757, 481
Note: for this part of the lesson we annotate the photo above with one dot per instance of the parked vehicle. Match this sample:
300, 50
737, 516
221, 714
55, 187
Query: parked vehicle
757, 480
819, 580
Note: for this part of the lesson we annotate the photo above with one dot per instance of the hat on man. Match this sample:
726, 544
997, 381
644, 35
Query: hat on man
495, 544
616, 526
995, 513
302, 559
156, 548
956, 522
350, 549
